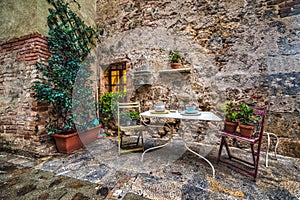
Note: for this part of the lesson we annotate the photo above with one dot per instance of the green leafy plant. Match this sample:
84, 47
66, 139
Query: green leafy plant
108, 104
69, 43
174, 56
134, 114
231, 114
246, 114
126, 115
125, 118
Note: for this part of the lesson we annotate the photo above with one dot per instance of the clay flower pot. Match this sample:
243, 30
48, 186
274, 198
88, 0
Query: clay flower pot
72, 142
67, 143
175, 65
246, 130
230, 126
89, 136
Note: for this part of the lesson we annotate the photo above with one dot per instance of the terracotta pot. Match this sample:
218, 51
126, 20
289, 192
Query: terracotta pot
72, 142
175, 65
67, 143
89, 136
246, 130
230, 126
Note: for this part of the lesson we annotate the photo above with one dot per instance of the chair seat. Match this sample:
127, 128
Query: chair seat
238, 136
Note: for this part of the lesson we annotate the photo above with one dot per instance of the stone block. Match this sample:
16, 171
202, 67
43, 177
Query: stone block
289, 147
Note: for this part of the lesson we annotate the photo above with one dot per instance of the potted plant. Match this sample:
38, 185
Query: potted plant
125, 119
175, 59
108, 104
231, 116
135, 116
246, 120
67, 64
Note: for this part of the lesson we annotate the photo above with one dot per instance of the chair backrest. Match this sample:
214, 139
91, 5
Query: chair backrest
126, 107
261, 112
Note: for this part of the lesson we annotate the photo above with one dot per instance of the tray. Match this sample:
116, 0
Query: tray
159, 112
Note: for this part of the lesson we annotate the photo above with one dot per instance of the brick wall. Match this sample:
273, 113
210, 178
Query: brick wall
29, 48
21, 116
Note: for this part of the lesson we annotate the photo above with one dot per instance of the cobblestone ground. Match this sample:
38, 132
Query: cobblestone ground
98, 172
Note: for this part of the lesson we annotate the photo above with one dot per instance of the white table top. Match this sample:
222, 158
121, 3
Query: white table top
203, 115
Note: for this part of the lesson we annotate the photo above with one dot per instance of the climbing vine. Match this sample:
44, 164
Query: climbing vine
70, 41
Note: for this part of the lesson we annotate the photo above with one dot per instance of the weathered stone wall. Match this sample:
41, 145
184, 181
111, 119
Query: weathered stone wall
237, 50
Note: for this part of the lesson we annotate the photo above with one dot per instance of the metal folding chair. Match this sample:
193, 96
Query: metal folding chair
129, 143
250, 168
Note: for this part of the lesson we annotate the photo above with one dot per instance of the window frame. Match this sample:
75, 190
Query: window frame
121, 79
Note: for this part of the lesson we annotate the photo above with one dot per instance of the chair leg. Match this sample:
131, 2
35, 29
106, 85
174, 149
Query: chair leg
121, 141
138, 139
220, 149
227, 148
257, 160
142, 135
253, 154
119, 144
224, 142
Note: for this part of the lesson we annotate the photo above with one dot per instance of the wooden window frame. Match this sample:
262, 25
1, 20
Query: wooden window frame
120, 86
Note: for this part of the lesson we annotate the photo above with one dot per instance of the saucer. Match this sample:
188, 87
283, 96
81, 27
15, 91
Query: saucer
191, 112
196, 113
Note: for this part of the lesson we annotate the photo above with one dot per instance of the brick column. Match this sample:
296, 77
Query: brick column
22, 118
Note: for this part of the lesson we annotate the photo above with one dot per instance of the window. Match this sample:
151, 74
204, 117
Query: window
115, 77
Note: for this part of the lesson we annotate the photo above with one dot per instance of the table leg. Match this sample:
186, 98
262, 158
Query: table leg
213, 169
185, 143
152, 148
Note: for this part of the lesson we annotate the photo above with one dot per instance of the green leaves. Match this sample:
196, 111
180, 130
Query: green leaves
134, 114
69, 43
230, 112
241, 112
245, 114
174, 56
108, 104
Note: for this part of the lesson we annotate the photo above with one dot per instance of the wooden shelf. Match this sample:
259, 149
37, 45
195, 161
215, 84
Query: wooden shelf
141, 72
180, 70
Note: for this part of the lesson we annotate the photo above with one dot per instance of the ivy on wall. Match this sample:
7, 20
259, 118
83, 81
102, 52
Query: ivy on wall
70, 41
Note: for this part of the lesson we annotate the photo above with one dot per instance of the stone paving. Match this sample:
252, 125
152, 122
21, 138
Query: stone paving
98, 172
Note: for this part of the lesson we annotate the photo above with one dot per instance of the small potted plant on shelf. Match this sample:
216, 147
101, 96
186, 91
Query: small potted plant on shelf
231, 116
246, 120
175, 59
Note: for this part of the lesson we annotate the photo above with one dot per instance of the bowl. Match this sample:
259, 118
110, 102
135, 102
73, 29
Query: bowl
159, 107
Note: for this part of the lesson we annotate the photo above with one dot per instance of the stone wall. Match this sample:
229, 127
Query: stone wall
237, 50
